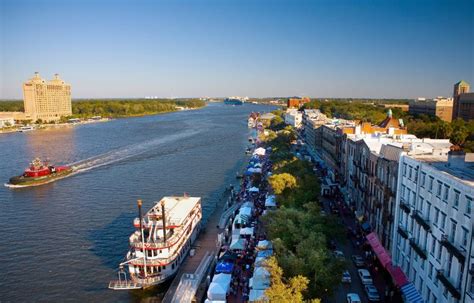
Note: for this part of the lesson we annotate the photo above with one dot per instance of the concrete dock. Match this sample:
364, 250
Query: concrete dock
206, 243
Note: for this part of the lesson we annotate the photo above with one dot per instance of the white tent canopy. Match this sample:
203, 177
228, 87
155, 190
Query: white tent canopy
254, 190
270, 201
241, 219
247, 231
264, 245
219, 287
261, 272
222, 279
255, 170
257, 295
258, 282
260, 151
215, 301
248, 204
260, 261
245, 211
237, 244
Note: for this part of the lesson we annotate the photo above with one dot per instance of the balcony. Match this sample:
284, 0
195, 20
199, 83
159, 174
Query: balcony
421, 252
420, 220
449, 286
402, 232
457, 252
405, 207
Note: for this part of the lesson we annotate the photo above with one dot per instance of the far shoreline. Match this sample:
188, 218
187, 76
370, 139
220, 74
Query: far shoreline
45, 126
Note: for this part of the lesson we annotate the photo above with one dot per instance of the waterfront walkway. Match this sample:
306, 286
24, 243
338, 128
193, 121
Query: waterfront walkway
206, 243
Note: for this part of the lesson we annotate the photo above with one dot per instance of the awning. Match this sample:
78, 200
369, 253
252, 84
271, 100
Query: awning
398, 276
379, 250
410, 294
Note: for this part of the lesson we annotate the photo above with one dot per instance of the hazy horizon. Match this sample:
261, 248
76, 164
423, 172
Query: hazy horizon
344, 49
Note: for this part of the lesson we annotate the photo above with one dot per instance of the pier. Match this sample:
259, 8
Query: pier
186, 285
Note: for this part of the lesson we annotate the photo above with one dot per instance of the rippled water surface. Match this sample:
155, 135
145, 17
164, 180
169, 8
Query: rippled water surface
63, 241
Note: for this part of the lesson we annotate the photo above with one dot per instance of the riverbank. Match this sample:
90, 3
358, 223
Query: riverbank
44, 126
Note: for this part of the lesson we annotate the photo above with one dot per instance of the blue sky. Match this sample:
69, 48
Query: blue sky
258, 48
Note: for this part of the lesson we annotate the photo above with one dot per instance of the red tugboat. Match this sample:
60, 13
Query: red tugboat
39, 173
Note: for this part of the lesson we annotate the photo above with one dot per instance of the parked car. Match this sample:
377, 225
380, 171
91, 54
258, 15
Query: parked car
358, 260
372, 293
346, 277
338, 254
365, 276
353, 298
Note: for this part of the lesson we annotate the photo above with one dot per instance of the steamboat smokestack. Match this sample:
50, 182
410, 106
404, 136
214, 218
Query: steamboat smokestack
164, 220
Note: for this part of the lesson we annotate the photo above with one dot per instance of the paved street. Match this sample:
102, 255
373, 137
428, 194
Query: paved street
350, 248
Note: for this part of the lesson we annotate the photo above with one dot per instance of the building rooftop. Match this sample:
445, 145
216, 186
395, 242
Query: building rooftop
460, 167
462, 82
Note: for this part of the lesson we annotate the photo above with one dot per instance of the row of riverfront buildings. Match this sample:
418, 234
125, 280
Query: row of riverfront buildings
45, 100
461, 105
416, 194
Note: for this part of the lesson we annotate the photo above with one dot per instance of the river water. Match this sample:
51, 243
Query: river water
63, 241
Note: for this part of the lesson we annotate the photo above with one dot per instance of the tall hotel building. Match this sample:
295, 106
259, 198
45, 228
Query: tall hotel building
46, 100
434, 224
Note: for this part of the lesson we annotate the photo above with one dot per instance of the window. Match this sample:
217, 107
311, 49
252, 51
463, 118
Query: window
449, 265
471, 287
423, 179
421, 203
464, 238
436, 218
468, 205
430, 271
404, 169
410, 173
456, 198
440, 250
443, 220
452, 235
428, 209
438, 191
433, 245
430, 185
446, 193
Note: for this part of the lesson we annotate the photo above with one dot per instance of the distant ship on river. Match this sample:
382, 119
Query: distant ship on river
235, 100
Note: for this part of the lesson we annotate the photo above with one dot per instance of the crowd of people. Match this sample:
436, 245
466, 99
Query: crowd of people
243, 255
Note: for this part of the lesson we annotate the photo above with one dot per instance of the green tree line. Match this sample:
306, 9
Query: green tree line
116, 108
458, 131
299, 231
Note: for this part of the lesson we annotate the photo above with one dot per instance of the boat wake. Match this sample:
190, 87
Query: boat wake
14, 186
126, 152
115, 156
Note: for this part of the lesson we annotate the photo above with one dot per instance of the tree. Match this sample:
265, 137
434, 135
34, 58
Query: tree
281, 182
281, 292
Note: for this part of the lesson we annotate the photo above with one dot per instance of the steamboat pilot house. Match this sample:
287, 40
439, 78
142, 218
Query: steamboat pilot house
160, 243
